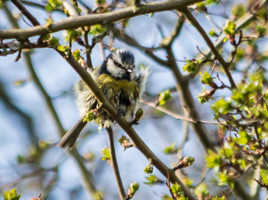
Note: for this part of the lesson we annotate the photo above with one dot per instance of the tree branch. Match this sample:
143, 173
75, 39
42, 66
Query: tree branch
224, 64
177, 116
119, 182
105, 18
25, 12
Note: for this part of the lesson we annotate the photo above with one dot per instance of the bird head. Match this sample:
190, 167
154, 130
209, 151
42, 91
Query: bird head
120, 64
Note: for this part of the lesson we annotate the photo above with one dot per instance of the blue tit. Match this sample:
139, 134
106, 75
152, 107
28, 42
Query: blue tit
120, 83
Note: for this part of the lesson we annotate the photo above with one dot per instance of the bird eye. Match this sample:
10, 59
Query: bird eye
119, 65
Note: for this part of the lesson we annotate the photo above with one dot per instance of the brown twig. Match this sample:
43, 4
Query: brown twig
196, 24
177, 116
115, 167
25, 12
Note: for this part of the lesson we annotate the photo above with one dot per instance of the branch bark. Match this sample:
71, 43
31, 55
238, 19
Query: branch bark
105, 18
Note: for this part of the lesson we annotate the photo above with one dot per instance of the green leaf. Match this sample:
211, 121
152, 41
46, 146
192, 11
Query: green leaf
76, 54
239, 10
133, 188
152, 179
261, 30
164, 97
208, 2
242, 163
205, 96
149, 169
219, 198
63, 48
206, 78
240, 54
19, 83
106, 154
97, 29
72, 34
227, 152
201, 6
171, 149
97, 195
21, 159
213, 33
166, 197
221, 106
229, 28
243, 138
188, 182
264, 176
54, 42
53, 4
11, 195
223, 178
89, 117
213, 159
177, 191
49, 21
191, 66
100, 2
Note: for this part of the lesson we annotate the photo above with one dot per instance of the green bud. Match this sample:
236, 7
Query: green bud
164, 97
11, 195
106, 154
171, 149
133, 188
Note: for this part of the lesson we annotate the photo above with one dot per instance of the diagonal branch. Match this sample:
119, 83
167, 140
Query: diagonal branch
105, 18
25, 12
187, 101
224, 64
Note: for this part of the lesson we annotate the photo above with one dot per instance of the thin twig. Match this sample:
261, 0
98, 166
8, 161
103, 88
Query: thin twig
240, 23
224, 64
119, 182
177, 116
25, 12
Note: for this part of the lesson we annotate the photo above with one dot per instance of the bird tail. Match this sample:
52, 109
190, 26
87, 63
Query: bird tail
142, 78
69, 138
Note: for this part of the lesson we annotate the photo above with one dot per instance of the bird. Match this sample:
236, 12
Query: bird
121, 83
